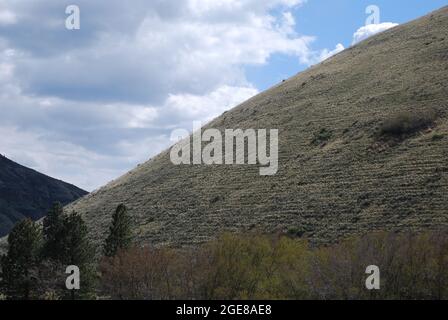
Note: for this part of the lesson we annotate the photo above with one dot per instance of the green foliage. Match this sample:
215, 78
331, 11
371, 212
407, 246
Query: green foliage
36, 269
231, 267
234, 266
254, 267
53, 231
120, 232
19, 265
75, 246
66, 238
77, 250
251, 266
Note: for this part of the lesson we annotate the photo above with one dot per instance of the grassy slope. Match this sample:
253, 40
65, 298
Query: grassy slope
351, 185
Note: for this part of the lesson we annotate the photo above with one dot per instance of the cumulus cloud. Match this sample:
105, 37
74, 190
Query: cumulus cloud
216, 102
190, 46
325, 54
88, 105
360, 35
371, 29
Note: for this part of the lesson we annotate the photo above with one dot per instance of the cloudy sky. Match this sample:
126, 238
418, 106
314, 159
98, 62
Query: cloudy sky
87, 105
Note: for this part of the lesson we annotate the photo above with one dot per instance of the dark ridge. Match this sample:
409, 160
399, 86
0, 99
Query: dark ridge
26, 193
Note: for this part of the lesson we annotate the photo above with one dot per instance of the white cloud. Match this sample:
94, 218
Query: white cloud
7, 17
325, 54
86, 107
64, 160
6, 71
371, 29
360, 35
170, 49
289, 19
205, 108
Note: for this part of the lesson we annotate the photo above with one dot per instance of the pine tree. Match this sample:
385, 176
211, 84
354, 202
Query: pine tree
75, 246
77, 250
19, 265
53, 231
120, 232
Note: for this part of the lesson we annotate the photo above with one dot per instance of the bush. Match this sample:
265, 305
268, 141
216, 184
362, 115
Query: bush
256, 266
143, 273
251, 266
438, 137
405, 123
231, 267
296, 232
322, 136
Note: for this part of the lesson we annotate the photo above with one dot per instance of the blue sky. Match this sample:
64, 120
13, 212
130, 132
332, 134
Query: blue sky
87, 105
333, 22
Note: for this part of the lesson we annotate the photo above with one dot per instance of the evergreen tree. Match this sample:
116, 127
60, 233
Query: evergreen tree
53, 231
120, 232
77, 250
75, 246
19, 265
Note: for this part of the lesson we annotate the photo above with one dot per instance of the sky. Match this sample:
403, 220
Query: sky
87, 105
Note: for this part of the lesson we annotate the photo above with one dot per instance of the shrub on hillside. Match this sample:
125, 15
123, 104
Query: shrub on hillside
407, 122
323, 136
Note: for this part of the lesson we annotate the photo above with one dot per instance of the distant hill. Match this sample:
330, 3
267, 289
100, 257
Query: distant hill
358, 152
28, 193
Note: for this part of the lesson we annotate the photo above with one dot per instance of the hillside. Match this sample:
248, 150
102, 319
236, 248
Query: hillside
338, 175
28, 193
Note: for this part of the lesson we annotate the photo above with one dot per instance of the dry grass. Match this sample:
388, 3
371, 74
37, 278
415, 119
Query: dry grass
341, 189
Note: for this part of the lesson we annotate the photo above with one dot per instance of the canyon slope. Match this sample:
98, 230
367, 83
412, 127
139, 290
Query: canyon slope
26, 193
341, 170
